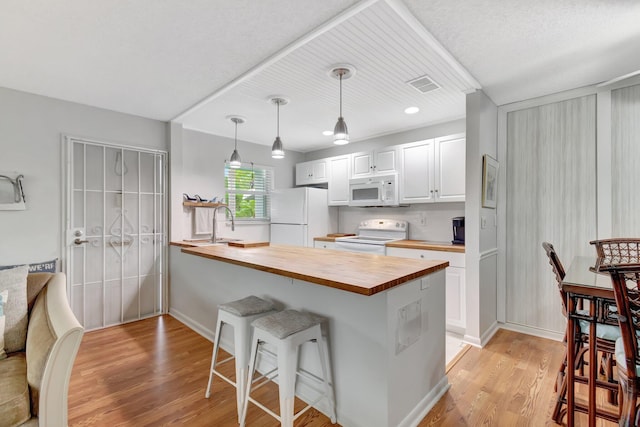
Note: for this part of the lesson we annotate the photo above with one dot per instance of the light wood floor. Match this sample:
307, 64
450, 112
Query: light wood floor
154, 373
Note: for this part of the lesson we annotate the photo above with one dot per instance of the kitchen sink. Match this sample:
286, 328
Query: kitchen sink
220, 241
226, 240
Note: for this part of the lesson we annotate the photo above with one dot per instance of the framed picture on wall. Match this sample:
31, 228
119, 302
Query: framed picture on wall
489, 181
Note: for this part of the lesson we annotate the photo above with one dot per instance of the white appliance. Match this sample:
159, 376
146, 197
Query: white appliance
372, 236
374, 191
300, 214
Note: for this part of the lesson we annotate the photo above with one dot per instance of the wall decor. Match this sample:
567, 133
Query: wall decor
489, 181
11, 192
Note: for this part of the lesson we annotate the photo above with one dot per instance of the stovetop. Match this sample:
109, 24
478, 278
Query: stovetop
379, 231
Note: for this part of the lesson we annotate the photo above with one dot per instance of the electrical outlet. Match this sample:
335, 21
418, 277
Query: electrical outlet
483, 222
423, 218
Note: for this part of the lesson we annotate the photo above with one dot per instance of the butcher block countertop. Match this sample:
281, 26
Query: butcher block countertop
332, 237
364, 274
423, 244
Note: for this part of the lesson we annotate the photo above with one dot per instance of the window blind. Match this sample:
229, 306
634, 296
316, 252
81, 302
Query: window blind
248, 191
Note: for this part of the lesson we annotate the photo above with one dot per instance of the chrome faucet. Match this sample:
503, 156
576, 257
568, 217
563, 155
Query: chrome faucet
215, 211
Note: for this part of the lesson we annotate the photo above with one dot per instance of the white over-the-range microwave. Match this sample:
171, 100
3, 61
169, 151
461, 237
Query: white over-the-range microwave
378, 190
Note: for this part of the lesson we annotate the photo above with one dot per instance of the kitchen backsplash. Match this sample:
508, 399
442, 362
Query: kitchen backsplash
427, 221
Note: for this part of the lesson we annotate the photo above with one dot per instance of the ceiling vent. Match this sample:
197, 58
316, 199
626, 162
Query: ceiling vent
423, 84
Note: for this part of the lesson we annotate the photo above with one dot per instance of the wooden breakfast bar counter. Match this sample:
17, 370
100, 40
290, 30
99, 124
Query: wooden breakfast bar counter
386, 319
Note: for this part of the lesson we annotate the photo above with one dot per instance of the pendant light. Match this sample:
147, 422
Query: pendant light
340, 132
235, 161
277, 150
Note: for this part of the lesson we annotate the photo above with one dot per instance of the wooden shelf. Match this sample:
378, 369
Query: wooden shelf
201, 204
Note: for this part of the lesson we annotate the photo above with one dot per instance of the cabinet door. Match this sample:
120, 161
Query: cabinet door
304, 173
314, 172
416, 172
319, 171
361, 164
385, 160
456, 299
338, 188
450, 168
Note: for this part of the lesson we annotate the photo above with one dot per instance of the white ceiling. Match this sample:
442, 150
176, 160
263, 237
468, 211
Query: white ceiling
201, 60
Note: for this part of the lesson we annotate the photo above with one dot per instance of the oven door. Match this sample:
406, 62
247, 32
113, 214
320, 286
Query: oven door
368, 248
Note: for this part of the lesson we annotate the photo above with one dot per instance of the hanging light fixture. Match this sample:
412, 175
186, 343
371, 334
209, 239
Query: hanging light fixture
340, 132
235, 160
277, 150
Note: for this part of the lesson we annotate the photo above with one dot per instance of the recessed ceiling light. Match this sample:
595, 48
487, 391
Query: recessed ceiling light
411, 110
327, 133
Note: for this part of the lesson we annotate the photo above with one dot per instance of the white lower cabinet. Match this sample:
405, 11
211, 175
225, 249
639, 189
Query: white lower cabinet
456, 307
323, 245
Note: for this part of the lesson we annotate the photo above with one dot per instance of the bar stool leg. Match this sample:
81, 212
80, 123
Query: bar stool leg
252, 366
287, 367
214, 355
323, 352
241, 339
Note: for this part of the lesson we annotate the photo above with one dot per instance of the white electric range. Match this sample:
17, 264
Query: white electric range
372, 236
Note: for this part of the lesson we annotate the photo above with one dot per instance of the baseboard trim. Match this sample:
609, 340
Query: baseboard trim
421, 410
226, 343
537, 332
194, 325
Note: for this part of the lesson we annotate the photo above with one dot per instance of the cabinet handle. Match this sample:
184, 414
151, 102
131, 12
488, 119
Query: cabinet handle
431, 191
421, 255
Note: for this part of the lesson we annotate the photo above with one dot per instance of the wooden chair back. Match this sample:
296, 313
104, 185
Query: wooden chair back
618, 251
558, 270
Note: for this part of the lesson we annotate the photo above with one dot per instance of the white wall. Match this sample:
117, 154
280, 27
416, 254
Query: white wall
480, 244
437, 219
198, 168
31, 127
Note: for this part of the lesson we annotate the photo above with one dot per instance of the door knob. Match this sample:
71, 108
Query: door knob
79, 241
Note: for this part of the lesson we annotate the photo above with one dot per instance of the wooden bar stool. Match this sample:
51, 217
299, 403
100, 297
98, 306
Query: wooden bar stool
285, 332
238, 314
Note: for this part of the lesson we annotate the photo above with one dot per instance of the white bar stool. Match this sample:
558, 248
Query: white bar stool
238, 314
286, 331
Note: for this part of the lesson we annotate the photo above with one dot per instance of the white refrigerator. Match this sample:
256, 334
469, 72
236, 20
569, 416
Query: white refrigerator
300, 214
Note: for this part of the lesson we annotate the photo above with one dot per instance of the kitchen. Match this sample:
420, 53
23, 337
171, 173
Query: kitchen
191, 302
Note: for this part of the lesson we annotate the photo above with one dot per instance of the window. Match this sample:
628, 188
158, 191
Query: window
247, 191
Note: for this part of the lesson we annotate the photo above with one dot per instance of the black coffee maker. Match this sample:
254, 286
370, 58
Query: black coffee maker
458, 230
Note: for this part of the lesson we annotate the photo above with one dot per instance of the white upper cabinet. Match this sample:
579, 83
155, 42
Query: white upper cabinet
428, 171
338, 188
433, 170
314, 172
416, 172
367, 163
450, 168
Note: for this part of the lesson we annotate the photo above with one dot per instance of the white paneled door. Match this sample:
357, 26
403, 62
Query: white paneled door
115, 228
551, 197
